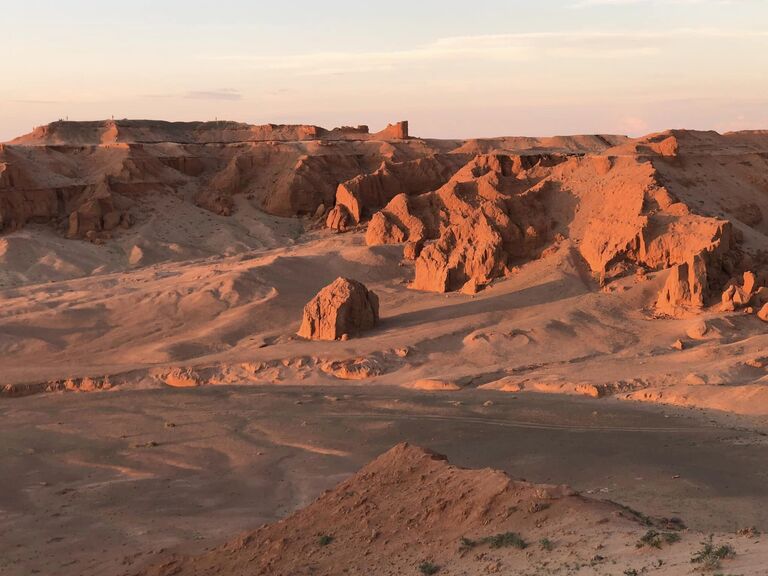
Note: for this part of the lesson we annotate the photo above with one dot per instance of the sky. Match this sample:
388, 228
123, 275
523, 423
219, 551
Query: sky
454, 69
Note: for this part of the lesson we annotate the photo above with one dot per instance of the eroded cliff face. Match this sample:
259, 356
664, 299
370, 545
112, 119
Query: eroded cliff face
102, 132
469, 211
499, 211
67, 172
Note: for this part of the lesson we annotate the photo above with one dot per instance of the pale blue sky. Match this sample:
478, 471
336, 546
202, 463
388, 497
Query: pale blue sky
454, 69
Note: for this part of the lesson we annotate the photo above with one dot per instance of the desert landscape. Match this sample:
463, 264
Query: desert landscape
240, 349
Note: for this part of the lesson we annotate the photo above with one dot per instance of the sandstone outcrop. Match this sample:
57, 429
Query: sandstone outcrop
339, 219
367, 193
482, 219
103, 132
739, 294
468, 211
686, 288
343, 308
47, 176
502, 210
94, 216
412, 250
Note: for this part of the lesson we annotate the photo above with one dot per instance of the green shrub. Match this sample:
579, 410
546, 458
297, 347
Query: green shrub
325, 539
547, 544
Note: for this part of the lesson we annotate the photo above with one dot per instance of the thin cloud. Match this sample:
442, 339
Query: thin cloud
516, 47
222, 94
590, 3
33, 101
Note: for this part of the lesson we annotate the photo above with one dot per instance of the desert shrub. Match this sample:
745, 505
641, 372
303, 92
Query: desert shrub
710, 555
654, 539
325, 539
547, 544
505, 540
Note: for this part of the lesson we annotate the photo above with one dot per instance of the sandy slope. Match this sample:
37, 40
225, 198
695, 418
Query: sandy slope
548, 327
409, 511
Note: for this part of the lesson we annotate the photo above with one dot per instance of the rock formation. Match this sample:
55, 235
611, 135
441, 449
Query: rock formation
103, 132
739, 295
686, 288
343, 308
366, 193
473, 210
94, 216
339, 219
49, 175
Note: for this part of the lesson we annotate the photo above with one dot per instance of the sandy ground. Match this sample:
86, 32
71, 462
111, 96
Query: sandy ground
233, 319
102, 483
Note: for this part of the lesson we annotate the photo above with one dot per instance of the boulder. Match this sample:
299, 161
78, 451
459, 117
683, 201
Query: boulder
763, 313
339, 219
737, 296
344, 307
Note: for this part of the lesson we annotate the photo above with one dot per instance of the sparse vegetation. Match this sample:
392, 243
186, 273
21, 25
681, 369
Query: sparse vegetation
750, 532
596, 559
466, 544
428, 568
633, 514
505, 540
547, 544
631, 572
710, 555
325, 539
502, 540
654, 539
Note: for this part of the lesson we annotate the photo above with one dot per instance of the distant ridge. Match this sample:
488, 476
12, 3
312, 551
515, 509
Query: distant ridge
99, 132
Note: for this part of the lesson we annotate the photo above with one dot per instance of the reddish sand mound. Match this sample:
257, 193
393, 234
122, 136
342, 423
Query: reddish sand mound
409, 507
